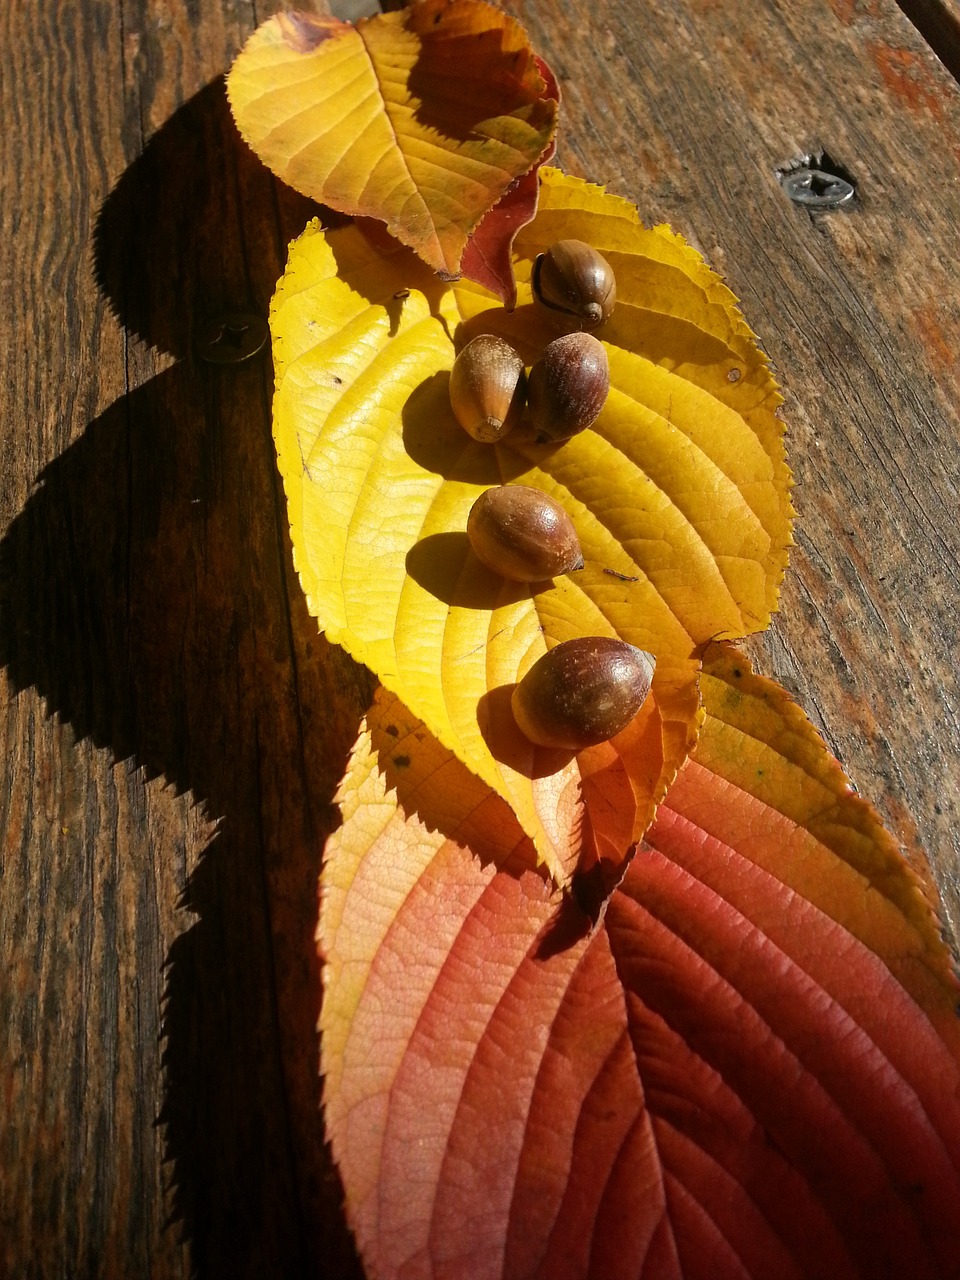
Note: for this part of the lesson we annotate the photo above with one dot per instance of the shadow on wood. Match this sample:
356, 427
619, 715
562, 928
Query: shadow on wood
147, 595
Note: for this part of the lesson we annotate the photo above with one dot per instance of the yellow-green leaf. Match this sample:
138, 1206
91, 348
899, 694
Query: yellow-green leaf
679, 491
421, 118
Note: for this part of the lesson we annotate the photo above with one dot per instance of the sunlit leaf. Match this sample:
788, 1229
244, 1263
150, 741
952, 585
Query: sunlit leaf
762, 783
422, 118
750, 1069
679, 491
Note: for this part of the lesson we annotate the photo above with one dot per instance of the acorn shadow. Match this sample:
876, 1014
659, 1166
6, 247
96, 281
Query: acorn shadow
434, 439
508, 745
528, 329
446, 565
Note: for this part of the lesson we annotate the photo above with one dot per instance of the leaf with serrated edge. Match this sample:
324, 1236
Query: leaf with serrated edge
680, 486
751, 1068
824, 842
422, 118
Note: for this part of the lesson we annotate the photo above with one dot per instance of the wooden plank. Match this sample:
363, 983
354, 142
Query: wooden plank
688, 110
161, 677
938, 21
163, 1058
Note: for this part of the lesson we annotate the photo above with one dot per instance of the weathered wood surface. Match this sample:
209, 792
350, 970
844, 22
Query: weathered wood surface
690, 110
173, 727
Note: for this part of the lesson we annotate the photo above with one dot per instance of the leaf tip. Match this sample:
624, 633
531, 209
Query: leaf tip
304, 32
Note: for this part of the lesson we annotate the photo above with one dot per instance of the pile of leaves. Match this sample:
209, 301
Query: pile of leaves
675, 1006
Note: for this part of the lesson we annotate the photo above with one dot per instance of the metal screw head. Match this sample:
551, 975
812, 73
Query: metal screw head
817, 189
233, 338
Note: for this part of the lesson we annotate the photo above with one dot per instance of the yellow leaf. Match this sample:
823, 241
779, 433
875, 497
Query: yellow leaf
680, 487
422, 117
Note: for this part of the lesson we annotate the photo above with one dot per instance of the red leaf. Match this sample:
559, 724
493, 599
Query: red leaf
750, 1069
488, 257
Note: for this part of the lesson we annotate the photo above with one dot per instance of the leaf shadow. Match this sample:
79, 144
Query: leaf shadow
434, 788
569, 925
146, 593
657, 337
385, 277
442, 57
439, 791
169, 250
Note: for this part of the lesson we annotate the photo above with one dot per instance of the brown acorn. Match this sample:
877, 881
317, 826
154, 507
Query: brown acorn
522, 534
573, 278
568, 386
582, 692
487, 388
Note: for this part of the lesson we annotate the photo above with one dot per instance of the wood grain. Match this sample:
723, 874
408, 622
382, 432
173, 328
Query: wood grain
689, 110
173, 726
164, 686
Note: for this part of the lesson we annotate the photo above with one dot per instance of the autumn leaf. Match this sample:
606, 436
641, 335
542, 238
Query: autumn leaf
751, 1068
488, 257
423, 118
679, 492
828, 844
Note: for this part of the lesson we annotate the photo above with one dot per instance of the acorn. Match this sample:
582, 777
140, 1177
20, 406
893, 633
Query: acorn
522, 534
487, 388
582, 692
573, 278
568, 386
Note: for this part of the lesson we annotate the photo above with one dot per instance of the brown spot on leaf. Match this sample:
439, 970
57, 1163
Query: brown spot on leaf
303, 32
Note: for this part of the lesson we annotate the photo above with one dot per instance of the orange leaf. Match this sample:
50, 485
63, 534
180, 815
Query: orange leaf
596, 812
761, 782
751, 1068
422, 118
